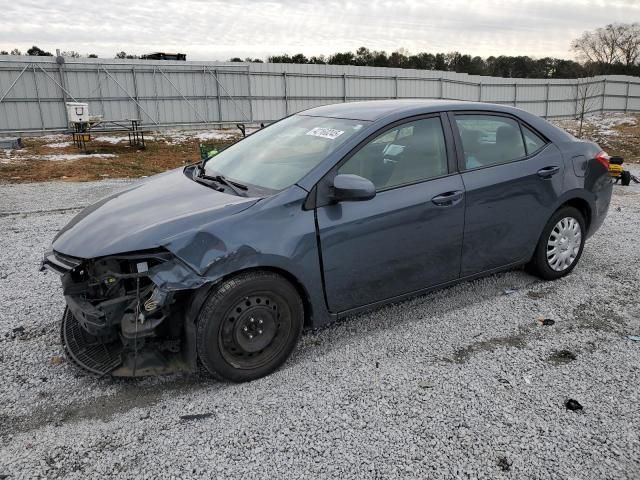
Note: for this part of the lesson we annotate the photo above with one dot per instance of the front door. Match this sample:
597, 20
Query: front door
409, 236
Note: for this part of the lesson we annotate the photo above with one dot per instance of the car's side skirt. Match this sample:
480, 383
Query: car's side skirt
406, 296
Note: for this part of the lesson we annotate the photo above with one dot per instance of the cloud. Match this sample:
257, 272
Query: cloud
216, 30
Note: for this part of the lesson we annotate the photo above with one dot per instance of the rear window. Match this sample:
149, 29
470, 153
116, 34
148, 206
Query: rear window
532, 141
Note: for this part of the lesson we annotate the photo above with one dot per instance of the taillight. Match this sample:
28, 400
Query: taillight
603, 158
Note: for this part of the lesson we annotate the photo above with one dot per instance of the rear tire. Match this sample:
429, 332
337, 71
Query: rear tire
249, 326
560, 246
625, 178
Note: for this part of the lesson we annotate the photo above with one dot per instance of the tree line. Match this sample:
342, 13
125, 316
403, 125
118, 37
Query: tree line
612, 49
38, 52
501, 66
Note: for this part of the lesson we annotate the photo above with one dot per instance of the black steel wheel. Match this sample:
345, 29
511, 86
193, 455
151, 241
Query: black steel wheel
249, 326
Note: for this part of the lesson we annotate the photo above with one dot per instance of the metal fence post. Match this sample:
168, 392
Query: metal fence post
344, 88
215, 75
155, 91
63, 87
441, 88
250, 96
515, 94
206, 96
135, 94
100, 90
396, 85
626, 98
480, 91
286, 95
546, 101
35, 84
604, 94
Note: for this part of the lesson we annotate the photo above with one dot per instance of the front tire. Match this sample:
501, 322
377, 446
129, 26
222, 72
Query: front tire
560, 246
249, 326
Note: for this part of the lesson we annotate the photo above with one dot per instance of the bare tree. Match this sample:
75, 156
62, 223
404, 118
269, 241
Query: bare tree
629, 44
71, 54
599, 46
588, 91
614, 43
15, 51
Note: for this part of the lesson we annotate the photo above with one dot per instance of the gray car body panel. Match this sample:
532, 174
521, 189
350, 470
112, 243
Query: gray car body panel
349, 256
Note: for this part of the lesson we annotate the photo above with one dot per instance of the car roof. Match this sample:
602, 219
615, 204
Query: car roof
373, 110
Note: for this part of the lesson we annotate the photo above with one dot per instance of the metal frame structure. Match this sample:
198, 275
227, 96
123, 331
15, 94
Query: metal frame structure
163, 94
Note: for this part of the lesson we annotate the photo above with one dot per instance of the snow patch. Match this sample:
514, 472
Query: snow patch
59, 145
74, 156
177, 137
602, 124
112, 140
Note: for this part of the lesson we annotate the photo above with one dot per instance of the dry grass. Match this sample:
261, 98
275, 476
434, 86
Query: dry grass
158, 156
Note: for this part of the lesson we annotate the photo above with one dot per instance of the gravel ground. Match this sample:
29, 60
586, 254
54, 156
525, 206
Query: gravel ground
465, 382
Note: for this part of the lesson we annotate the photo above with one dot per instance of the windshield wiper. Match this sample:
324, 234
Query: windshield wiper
208, 183
237, 188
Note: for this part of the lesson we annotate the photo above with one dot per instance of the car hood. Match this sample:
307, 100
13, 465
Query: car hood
145, 216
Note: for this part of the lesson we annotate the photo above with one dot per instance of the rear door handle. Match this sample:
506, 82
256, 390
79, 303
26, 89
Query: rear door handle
447, 199
548, 172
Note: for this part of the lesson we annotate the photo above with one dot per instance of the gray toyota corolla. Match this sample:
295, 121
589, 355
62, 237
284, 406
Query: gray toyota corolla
328, 212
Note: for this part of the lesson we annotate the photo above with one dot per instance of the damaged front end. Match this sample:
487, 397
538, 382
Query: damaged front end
123, 317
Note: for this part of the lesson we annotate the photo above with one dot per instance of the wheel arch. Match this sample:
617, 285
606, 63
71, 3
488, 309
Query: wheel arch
290, 277
582, 206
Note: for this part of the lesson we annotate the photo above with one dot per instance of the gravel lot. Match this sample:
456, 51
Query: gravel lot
465, 382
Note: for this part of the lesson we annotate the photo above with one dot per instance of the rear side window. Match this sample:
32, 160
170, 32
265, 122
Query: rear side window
406, 154
532, 141
489, 140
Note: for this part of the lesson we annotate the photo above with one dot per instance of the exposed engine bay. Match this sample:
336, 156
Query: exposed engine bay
117, 320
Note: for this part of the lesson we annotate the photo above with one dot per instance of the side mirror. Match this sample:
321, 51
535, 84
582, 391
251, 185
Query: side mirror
352, 188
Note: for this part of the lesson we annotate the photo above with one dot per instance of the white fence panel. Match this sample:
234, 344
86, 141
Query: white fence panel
33, 91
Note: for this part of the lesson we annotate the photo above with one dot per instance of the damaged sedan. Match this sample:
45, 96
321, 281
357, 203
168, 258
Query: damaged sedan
321, 215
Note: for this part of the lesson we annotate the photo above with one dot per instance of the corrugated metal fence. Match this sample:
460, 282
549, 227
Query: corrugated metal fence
33, 91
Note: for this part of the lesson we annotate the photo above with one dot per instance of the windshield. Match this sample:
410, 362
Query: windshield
280, 155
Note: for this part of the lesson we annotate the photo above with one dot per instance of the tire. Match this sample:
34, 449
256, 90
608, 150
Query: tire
248, 326
625, 178
569, 246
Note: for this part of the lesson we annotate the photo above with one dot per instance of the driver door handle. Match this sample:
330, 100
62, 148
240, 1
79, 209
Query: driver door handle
448, 199
548, 172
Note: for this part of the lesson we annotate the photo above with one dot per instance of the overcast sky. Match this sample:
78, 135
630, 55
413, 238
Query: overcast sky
218, 30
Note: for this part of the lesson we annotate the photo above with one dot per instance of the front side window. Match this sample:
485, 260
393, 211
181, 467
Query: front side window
409, 153
489, 140
281, 154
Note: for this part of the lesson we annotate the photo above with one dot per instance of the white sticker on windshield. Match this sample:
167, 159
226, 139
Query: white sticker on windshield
329, 133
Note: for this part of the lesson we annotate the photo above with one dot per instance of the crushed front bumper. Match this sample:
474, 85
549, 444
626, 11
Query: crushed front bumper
117, 321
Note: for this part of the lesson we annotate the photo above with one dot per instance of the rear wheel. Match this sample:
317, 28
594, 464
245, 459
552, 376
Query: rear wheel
625, 178
249, 326
560, 245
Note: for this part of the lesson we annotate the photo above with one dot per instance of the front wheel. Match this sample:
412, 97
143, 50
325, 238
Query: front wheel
249, 326
560, 245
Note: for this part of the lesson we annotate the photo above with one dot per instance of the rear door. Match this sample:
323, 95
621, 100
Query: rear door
513, 179
409, 236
